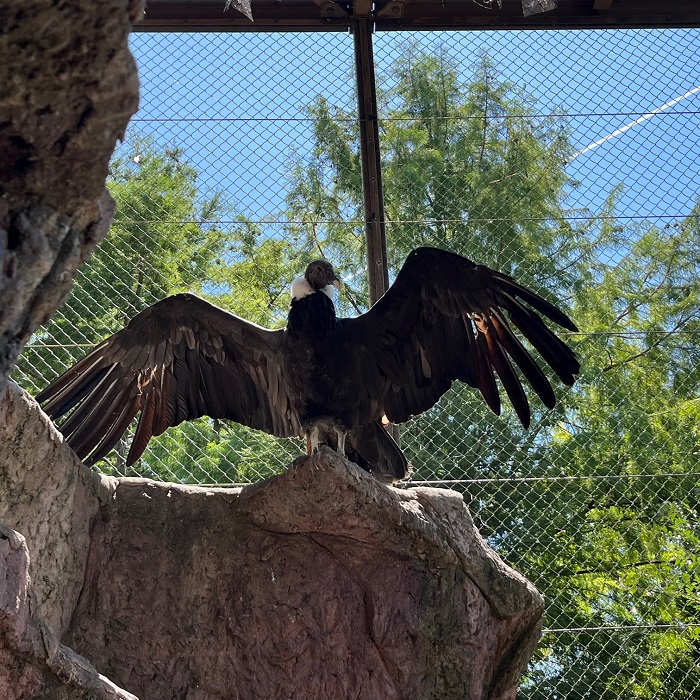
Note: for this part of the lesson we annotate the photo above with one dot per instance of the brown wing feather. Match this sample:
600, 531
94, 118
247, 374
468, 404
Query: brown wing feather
498, 359
455, 311
180, 359
120, 424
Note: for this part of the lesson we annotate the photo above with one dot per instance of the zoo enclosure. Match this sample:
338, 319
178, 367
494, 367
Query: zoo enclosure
567, 157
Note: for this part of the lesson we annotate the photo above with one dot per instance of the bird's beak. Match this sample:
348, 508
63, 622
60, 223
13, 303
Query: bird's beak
337, 283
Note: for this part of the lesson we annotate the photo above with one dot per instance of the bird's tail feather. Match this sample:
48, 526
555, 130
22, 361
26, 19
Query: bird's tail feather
375, 450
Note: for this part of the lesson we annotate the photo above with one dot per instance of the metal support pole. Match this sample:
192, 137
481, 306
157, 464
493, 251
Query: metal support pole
375, 228
377, 265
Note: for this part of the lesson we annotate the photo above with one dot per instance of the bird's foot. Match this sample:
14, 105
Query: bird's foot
341, 441
299, 460
313, 441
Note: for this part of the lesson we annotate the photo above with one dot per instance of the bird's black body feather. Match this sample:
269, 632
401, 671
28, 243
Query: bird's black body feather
444, 319
309, 363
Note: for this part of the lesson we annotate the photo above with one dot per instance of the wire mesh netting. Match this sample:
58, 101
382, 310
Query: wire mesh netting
565, 158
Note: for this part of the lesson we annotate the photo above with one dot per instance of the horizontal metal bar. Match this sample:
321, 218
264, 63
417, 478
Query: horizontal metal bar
548, 479
429, 15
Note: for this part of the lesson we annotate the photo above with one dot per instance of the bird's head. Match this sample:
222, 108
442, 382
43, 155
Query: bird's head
320, 274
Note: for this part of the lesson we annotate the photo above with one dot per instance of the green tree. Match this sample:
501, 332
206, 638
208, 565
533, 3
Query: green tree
165, 240
159, 244
583, 502
623, 548
465, 165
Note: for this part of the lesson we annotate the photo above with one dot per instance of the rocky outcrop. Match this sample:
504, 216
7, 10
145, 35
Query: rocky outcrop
317, 583
32, 662
68, 86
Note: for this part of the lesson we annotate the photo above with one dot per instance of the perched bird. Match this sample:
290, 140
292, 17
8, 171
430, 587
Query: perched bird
332, 380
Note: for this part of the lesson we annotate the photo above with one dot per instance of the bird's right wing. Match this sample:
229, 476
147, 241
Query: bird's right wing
180, 359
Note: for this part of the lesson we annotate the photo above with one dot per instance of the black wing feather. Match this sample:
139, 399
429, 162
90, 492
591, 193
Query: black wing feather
485, 380
196, 360
517, 352
453, 309
498, 358
111, 438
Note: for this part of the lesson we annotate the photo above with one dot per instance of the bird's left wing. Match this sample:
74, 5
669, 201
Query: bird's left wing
446, 318
180, 359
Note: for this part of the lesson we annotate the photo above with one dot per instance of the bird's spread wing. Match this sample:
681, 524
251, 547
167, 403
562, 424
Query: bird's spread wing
179, 359
446, 318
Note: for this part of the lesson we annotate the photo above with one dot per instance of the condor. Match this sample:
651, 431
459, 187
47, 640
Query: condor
333, 380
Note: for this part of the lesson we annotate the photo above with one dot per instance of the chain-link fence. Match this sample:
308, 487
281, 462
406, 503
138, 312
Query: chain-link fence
565, 158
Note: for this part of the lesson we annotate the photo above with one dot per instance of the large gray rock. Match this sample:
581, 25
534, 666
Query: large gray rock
317, 583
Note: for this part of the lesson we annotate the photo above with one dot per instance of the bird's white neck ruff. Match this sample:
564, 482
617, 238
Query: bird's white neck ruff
301, 288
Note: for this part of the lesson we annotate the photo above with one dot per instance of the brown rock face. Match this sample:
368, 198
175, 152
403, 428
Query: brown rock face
318, 583
68, 86
67, 89
32, 662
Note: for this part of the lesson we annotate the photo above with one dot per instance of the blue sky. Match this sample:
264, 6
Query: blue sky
235, 103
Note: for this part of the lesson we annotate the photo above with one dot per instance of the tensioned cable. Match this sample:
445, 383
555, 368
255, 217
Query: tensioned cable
444, 117
679, 626
530, 479
361, 222
617, 334
534, 479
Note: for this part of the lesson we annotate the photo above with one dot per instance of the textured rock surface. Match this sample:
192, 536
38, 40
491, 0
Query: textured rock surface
318, 583
51, 498
68, 86
32, 662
